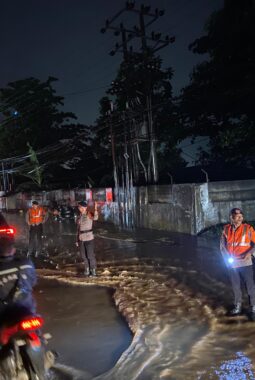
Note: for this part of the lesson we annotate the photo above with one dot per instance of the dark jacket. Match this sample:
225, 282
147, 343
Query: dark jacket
17, 278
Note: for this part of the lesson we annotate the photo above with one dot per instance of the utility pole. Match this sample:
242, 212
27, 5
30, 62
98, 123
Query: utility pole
149, 45
115, 173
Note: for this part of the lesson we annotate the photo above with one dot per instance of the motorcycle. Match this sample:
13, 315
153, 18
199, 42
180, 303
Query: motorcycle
23, 354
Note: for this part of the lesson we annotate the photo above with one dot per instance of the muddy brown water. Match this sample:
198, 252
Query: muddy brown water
87, 331
220, 349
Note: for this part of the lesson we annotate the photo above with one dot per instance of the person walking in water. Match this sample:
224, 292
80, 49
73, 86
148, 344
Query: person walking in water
36, 216
237, 246
85, 237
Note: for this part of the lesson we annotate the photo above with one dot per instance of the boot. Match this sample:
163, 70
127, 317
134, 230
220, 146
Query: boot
252, 313
86, 272
93, 272
236, 310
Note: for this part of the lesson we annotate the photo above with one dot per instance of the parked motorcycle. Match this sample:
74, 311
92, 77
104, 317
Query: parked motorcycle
23, 354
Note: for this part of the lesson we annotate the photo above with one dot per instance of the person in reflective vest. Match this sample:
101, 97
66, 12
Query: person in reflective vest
237, 247
36, 216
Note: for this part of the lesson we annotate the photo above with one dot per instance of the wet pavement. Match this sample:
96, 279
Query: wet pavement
87, 331
172, 289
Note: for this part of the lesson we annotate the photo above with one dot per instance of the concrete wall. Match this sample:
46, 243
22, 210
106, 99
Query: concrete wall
186, 208
165, 207
215, 199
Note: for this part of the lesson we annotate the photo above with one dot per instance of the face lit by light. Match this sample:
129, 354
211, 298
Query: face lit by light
82, 209
237, 219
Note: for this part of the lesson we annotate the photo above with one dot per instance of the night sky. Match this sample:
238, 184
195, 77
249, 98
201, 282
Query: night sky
62, 38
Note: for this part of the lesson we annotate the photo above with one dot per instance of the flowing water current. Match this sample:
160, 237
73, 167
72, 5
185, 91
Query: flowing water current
173, 291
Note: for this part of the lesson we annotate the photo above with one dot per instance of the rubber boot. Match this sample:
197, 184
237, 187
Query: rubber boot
86, 272
236, 310
93, 272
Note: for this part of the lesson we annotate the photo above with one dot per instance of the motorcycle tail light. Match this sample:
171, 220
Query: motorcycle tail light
35, 341
8, 231
6, 333
33, 323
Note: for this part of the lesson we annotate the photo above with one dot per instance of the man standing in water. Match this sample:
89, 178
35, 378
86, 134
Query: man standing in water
36, 216
237, 247
85, 237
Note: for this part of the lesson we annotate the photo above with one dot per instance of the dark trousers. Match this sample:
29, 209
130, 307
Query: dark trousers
88, 254
35, 239
245, 275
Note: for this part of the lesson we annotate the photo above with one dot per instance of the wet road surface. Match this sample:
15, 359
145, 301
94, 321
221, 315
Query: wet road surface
173, 289
87, 330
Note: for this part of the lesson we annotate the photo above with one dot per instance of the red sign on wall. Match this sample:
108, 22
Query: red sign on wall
108, 194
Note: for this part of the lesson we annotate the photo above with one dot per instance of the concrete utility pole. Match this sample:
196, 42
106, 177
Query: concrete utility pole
115, 172
149, 45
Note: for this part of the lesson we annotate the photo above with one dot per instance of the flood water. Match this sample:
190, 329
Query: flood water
87, 331
174, 291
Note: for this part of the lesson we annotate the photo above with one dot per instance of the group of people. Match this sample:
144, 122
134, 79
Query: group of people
36, 216
18, 276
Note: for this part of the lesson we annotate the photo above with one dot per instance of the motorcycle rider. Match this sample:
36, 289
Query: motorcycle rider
17, 279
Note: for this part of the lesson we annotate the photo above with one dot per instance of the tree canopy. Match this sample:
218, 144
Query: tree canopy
218, 102
49, 147
140, 91
31, 113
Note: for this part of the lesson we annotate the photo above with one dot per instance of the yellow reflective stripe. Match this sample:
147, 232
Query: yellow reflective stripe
239, 244
226, 230
244, 234
11, 270
26, 266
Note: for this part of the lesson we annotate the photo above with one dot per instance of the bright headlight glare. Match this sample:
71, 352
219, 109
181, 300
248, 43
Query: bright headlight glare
230, 260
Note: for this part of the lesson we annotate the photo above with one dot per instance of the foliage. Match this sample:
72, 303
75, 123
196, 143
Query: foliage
218, 101
141, 85
31, 113
60, 151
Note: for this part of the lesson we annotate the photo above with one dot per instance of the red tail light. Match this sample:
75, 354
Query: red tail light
33, 323
7, 332
7, 231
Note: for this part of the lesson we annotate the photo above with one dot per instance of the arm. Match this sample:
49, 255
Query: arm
27, 217
45, 216
251, 251
78, 232
223, 248
27, 279
95, 217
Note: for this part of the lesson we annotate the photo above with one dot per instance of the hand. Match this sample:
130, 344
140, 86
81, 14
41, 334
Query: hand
245, 255
77, 244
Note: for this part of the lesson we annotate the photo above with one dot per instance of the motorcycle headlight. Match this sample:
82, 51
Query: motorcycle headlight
230, 260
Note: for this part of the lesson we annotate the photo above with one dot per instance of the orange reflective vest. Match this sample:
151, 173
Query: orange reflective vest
36, 216
239, 240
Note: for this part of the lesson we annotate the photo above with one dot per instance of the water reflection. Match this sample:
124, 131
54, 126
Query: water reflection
239, 368
172, 283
